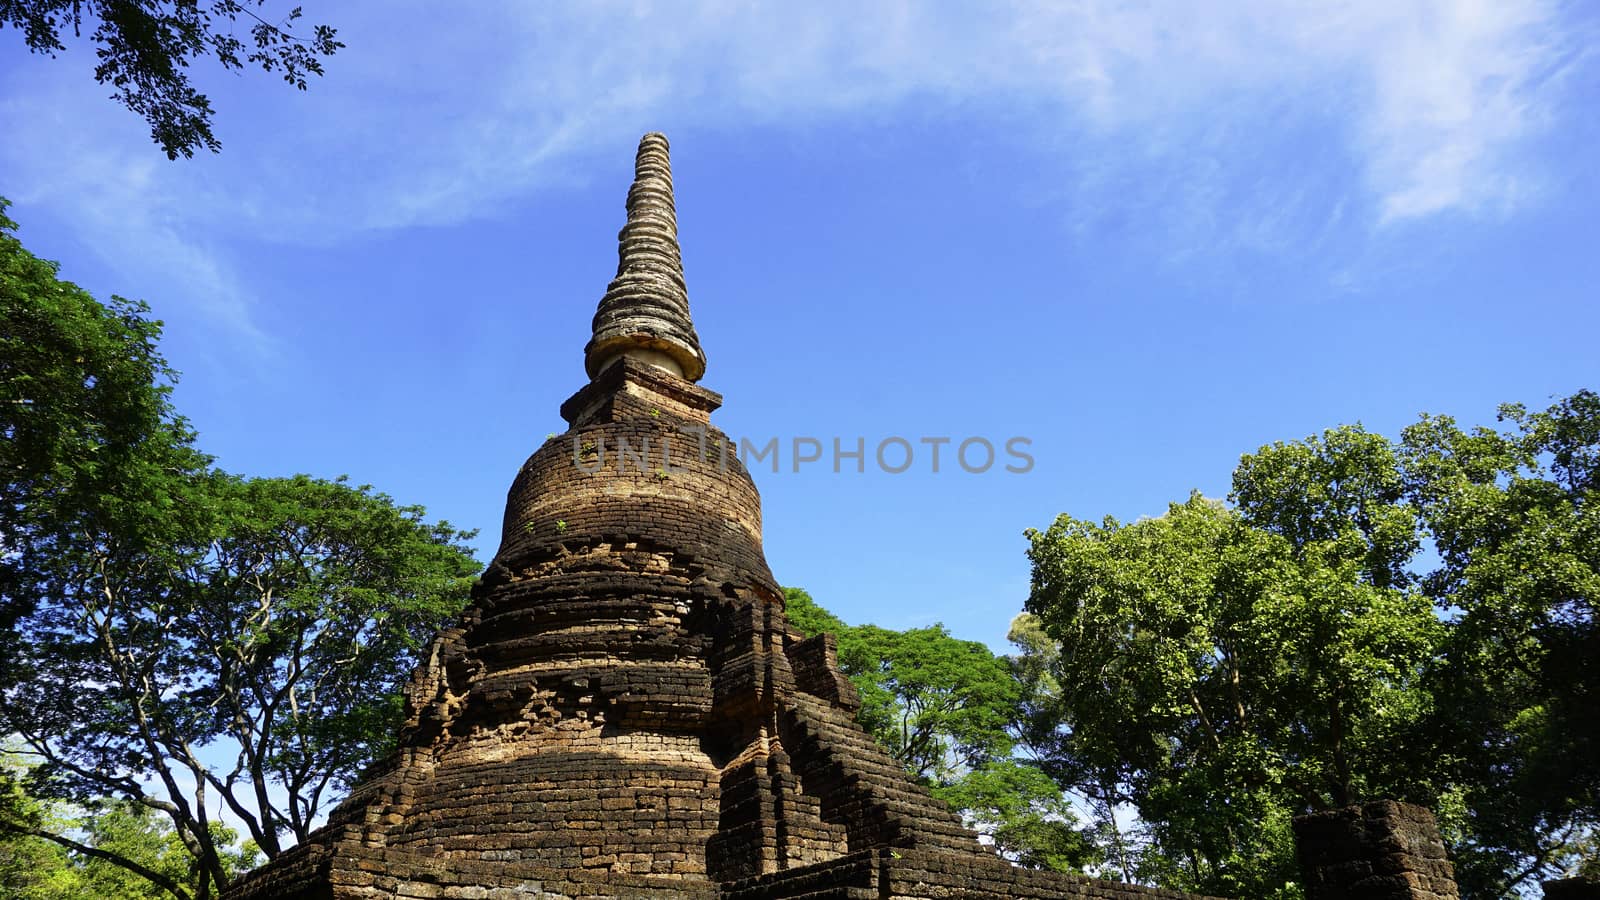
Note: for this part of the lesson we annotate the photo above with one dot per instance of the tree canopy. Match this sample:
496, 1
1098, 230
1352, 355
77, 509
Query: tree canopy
144, 49
85, 418
1224, 667
946, 710
162, 612
1516, 524
1222, 681
104, 849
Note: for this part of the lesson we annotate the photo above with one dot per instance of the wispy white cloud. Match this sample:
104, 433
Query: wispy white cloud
1433, 104
120, 203
1455, 89
1430, 103
1199, 112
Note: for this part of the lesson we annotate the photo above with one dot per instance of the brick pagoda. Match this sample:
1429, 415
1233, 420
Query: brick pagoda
624, 710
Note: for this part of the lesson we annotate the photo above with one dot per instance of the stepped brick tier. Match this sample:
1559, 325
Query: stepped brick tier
624, 710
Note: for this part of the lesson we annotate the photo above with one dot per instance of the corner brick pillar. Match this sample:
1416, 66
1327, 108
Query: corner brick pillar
1381, 850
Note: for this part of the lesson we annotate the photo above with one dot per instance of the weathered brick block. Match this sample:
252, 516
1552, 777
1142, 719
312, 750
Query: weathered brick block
1382, 850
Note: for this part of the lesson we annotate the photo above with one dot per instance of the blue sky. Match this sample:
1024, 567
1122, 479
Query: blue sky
1149, 237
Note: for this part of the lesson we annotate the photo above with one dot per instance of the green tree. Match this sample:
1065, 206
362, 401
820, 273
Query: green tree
131, 832
1224, 678
31, 867
1340, 501
945, 709
939, 704
1037, 726
144, 49
1223, 668
282, 632
1514, 517
104, 848
1024, 813
808, 616
159, 607
87, 431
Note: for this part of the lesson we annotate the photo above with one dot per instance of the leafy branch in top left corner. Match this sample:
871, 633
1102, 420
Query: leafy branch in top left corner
145, 47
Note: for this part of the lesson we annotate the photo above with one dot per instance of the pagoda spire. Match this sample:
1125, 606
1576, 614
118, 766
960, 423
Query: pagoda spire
645, 310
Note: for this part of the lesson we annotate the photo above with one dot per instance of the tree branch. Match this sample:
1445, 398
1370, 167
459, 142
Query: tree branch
154, 877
